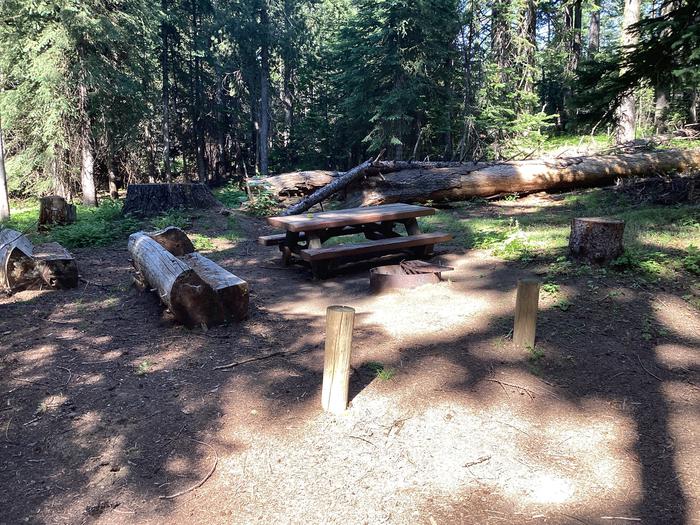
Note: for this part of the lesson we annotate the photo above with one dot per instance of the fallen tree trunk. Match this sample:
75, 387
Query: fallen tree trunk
192, 301
174, 240
338, 184
232, 291
294, 184
145, 200
464, 182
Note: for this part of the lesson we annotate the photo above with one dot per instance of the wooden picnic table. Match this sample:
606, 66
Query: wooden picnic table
305, 234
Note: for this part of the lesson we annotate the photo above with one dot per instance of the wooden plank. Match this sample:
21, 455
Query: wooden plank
274, 240
384, 245
349, 217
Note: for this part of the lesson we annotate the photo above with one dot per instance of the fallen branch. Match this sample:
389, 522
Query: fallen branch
329, 189
261, 358
645, 369
203, 480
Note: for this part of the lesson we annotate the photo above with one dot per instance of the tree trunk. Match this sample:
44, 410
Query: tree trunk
152, 199
661, 106
55, 210
264, 88
484, 180
596, 240
594, 30
294, 184
4, 193
626, 113
87, 165
164, 30
111, 170
174, 240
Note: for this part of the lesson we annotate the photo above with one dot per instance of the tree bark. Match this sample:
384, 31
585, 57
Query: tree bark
4, 193
191, 300
328, 190
87, 165
596, 240
56, 266
165, 73
484, 180
264, 88
174, 240
16, 263
594, 30
151, 199
626, 113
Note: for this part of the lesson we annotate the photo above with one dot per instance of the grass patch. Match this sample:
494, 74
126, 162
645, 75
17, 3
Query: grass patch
173, 218
201, 242
380, 371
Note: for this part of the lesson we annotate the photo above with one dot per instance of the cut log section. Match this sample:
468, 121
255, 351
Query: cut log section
478, 180
55, 210
191, 300
596, 240
23, 265
174, 240
16, 262
231, 290
56, 266
145, 200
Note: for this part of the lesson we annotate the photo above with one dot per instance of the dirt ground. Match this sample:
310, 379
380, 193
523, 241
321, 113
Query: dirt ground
107, 407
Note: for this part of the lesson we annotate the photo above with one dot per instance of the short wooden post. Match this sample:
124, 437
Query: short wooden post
526, 312
336, 363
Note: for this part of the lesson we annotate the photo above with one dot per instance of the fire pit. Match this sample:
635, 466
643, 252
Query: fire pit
408, 274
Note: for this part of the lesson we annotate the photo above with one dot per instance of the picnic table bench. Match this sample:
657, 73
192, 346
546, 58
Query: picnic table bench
306, 233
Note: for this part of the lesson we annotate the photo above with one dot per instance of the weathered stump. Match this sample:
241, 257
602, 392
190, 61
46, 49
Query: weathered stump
16, 263
192, 301
55, 210
152, 199
596, 240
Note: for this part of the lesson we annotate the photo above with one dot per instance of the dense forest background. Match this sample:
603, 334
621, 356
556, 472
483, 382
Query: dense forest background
95, 94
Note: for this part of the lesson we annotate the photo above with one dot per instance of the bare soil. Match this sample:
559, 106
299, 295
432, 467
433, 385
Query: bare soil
107, 406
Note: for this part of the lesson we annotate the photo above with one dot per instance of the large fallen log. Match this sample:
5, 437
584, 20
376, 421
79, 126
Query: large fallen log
464, 182
56, 266
145, 200
191, 300
294, 184
338, 184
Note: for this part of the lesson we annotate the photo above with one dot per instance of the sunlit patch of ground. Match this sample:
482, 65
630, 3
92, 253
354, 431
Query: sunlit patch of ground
403, 457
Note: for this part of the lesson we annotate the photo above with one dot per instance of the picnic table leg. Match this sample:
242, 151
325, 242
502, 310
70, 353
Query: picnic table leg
291, 243
412, 227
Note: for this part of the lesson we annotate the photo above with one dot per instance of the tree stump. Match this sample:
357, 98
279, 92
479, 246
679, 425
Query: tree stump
596, 240
145, 200
55, 210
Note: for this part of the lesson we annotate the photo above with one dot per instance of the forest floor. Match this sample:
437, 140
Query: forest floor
107, 406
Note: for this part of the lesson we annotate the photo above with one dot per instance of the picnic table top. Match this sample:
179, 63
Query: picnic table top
349, 217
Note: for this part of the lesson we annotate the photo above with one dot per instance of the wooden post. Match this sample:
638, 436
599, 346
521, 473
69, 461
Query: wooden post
526, 312
336, 364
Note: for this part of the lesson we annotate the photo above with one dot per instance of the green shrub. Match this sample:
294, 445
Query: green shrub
691, 262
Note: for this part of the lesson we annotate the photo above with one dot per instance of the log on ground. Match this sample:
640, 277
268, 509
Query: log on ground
56, 266
479, 180
294, 184
145, 200
191, 300
231, 290
16, 263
